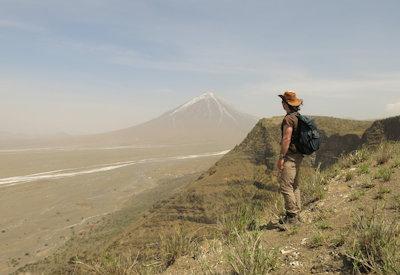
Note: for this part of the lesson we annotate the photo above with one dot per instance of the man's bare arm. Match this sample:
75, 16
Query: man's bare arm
286, 139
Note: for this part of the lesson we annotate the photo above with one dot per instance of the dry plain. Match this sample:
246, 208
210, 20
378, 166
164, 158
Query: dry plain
46, 195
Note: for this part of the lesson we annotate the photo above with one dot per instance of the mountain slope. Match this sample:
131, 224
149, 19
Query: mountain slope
353, 228
239, 177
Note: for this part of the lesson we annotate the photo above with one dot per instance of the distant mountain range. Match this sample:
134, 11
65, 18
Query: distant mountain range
204, 119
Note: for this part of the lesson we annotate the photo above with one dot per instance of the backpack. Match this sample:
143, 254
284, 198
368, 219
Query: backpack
308, 138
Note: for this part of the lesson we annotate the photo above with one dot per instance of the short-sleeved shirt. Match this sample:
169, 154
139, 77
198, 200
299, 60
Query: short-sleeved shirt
291, 120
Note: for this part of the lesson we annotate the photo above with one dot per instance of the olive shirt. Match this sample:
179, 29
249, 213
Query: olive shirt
291, 120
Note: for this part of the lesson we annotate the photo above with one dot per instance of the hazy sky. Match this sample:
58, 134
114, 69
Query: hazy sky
94, 65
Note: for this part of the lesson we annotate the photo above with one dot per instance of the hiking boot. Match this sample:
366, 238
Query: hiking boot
289, 219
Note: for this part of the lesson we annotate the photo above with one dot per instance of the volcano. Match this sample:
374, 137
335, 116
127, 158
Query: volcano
203, 119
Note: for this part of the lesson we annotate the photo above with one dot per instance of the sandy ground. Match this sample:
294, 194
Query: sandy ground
47, 195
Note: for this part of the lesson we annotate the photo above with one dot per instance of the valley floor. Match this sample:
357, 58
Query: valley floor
47, 196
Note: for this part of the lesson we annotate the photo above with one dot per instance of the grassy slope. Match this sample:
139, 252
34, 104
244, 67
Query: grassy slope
239, 177
354, 227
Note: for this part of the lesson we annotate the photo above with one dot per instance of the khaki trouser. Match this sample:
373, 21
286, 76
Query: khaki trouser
289, 183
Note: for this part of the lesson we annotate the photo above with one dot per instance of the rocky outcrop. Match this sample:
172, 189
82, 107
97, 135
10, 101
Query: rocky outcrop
383, 130
335, 145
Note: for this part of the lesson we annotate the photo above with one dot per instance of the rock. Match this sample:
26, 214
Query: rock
295, 264
287, 250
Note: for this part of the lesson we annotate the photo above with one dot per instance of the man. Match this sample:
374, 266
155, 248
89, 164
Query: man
290, 159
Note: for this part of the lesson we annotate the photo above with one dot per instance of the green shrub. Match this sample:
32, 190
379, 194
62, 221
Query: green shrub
375, 245
247, 256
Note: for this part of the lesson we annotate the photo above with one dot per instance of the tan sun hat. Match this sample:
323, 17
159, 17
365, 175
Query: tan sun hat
290, 98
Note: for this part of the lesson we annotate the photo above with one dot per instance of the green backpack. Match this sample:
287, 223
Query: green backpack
308, 137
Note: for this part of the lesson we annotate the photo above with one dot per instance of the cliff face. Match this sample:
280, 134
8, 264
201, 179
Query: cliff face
383, 130
335, 145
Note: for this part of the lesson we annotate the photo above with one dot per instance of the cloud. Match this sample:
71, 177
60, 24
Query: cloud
393, 108
206, 62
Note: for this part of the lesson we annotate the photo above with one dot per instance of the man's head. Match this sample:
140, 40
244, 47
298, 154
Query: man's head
290, 102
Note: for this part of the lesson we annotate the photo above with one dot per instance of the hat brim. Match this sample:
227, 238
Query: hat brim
294, 103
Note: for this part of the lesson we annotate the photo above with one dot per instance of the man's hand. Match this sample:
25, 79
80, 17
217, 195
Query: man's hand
280, 163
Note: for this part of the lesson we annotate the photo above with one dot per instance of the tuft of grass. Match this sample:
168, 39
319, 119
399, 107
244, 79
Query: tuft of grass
355, 158
364, 169
332, 171
384, 153
317, 240
375, 245
348, 176
177, 244
396, 202
346, 161
383, 174
396, 163
209, 265
247, 256
240, 220
293, 230
367, 184
382, 191
356, 195
338, 240
313, 183
323, 224
127, 263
